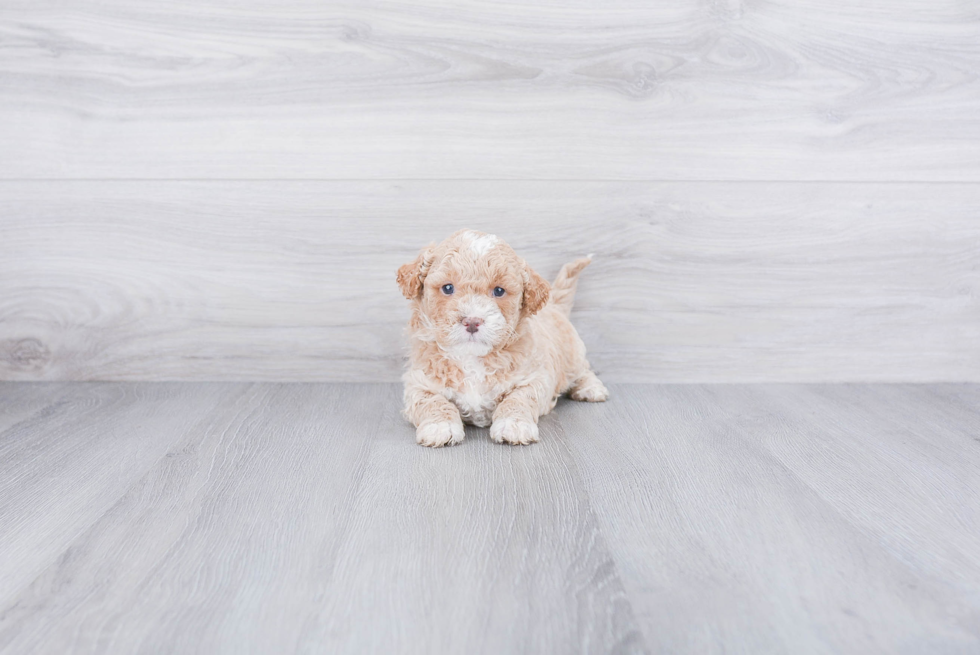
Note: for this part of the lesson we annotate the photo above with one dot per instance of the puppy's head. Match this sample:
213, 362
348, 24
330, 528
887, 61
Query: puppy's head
471, 292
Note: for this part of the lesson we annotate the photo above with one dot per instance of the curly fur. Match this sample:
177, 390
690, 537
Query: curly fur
523, 355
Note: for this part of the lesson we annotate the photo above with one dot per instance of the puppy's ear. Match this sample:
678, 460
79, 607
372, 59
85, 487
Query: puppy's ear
536, 292
412, 274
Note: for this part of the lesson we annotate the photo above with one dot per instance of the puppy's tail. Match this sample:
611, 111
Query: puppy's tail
563, 288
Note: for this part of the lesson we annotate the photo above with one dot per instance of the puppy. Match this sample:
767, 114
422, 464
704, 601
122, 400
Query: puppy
491, 343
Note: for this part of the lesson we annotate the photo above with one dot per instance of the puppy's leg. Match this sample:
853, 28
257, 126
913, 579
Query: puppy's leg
589, 388
515, 421
436, 420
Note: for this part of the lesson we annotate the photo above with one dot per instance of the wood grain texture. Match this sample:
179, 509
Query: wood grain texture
281, 518
692, 282
71, 452
225, 546
474, 548
805, 519
303, 518
703, 90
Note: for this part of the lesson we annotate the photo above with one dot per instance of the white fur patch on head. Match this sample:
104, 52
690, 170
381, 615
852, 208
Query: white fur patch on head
480, 244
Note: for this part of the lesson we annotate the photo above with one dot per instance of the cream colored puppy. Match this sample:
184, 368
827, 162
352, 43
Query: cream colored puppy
491, 341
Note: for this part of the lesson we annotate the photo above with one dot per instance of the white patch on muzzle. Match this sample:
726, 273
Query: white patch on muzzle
490, 333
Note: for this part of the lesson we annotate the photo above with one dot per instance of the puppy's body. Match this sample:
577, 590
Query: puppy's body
487, 359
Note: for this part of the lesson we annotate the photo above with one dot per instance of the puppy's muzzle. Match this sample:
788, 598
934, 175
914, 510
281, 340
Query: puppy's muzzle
471, 323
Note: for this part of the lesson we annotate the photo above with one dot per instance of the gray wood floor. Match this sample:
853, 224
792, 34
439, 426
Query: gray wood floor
272, 518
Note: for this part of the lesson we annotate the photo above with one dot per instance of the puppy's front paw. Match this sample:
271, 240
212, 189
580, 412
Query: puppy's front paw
514, 431
590, 390
442, 433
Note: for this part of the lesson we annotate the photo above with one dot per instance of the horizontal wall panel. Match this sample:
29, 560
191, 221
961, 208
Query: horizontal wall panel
618, 90
697, 281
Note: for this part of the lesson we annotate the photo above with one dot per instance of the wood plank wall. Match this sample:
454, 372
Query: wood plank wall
783, 190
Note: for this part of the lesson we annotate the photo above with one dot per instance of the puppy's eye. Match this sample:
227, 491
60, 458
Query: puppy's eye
498, 291
447, 289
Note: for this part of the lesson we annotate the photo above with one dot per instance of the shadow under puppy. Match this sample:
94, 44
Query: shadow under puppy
491, 343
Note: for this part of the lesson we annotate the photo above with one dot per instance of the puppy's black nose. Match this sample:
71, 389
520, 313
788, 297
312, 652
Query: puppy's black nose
472, 324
